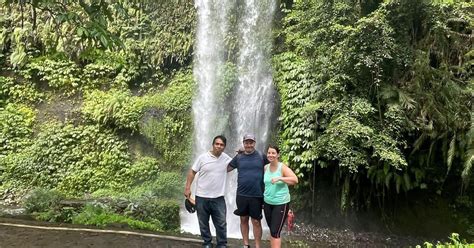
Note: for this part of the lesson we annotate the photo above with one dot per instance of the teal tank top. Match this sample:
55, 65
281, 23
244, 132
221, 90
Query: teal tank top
277, 193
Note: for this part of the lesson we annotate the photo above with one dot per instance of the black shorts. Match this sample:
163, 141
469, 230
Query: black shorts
275, 215
249, 206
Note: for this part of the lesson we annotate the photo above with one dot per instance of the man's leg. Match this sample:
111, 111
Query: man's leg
257, 232
203, 213
244, 229
255, 212
218, 215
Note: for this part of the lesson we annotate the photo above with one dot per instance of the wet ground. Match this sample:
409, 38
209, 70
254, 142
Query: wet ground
23, 233
331, 237
27, 233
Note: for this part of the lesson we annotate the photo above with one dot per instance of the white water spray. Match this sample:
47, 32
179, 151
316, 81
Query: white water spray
252, 98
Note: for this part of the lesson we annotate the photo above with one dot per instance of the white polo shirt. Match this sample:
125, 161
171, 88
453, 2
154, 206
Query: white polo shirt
212, 174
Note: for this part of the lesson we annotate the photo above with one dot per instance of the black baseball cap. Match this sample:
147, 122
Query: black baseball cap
189, 206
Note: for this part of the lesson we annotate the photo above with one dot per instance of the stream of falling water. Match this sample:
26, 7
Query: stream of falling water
252, 97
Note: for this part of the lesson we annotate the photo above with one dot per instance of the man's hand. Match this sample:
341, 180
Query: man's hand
187, 193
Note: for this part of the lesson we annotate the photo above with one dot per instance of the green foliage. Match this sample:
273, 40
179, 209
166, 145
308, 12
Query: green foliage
76, 49
143, 169
69, 78
70, 28
229, 80
168, 124
15, 128
298, 243
72, 159
20, 92
61, 75
64, 214
113, 108
161, 33
100, 216
42, 200
165, 185
178, 96
154, 210
360, 94
455, 242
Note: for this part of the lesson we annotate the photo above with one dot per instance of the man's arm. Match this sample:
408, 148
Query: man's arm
189, 181
232, 164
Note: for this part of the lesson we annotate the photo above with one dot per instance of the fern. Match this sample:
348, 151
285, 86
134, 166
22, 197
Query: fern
451, 151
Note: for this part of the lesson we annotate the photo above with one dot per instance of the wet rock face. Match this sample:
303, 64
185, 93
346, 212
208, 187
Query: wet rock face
10, 211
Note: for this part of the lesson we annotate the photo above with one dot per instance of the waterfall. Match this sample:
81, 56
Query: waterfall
248, 105
253, 102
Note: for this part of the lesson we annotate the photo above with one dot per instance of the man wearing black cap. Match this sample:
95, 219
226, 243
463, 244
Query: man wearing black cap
210, 190
250, 165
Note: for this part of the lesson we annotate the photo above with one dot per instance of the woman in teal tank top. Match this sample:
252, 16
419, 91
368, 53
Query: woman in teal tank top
276, 196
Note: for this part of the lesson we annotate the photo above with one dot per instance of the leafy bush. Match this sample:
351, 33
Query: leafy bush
454, 242
101, 216
19, 92
62, 75
155, 210
178, 95
45, 205
72, 159
168, 123
114, 108
15, 128
64, 214
69, 78
142, 170
165, 185
165, 29
42, 200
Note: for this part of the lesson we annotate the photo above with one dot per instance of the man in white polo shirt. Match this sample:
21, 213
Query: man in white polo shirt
210, 190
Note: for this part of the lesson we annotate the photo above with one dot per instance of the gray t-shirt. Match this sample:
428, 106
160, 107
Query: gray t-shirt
212, 174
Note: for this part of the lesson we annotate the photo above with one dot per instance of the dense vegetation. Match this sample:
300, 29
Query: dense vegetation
375, 97
95, 103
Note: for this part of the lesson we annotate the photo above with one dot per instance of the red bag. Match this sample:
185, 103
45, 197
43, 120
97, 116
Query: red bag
290, 220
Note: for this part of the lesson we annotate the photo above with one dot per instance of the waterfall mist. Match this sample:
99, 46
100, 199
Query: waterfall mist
232, 107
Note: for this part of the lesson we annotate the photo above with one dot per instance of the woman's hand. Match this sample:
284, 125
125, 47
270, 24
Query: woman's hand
275, 180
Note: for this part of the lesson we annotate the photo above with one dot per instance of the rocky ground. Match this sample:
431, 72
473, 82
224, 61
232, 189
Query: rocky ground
331, 237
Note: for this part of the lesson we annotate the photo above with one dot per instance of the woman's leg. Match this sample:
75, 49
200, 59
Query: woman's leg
278, 217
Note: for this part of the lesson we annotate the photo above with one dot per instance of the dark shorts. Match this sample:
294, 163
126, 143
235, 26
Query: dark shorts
249, 206
275, 215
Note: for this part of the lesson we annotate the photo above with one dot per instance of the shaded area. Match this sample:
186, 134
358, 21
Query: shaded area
316, 236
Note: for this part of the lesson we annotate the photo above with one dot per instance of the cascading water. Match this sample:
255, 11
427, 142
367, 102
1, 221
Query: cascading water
252, 96
209, 57
253, 102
